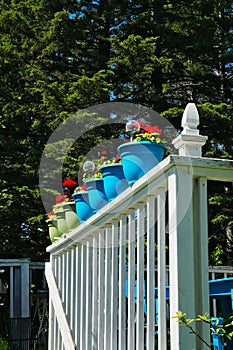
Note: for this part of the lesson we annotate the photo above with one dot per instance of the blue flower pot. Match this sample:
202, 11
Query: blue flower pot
114, 180
83, 208
140, 157
96, 194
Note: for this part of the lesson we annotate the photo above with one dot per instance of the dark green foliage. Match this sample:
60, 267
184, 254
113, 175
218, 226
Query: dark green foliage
58, 57
217, 123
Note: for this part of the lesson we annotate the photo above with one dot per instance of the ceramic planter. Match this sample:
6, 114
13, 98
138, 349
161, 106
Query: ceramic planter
83, 208
140, 157
96, 195
71, 217
61, 221
114, 180
53, 230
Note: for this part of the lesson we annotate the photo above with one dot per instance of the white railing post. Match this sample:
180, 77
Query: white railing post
107, 289
67, 339
94, 337
162, 319
131, 279
88, 294
68, 284
83, 300
201, 255
151, 222
188, 285
59, 285
63, 277
114, 285
101, 280
122, 283
72, 288
52, 319
140, 277
77, 304
181, 256
190, 142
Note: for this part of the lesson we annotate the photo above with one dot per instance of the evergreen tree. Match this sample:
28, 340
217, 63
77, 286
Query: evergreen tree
41, 80
217, 124
58, 57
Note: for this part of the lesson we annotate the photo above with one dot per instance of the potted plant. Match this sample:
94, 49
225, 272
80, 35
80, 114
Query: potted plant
68, 204
114, 178
64, 211
144, 150
95, 186
83, 208
60, 214
51, 220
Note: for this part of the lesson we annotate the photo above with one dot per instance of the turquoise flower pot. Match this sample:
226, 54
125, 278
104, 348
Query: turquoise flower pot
83, 208
96, 195
140, 157
114, 180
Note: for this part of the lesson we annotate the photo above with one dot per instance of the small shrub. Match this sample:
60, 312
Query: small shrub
3, 344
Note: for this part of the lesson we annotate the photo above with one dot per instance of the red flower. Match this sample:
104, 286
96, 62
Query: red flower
69, 183
142, 125
149, 129
48, 216
118, 157
104, 153
152, 129
84, 188
60, 198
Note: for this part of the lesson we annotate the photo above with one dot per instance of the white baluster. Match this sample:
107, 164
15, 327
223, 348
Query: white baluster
122, 280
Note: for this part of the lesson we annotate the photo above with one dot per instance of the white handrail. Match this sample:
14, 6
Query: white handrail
64, 327
109, 249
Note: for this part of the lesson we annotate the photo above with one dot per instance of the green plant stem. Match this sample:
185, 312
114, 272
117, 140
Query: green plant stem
194, 332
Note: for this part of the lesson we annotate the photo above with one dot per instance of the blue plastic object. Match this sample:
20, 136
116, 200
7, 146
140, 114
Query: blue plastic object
114, 180
96, 194
217, 340
83, 208
140, 157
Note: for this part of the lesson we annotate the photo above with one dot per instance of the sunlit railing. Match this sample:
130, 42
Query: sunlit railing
101, 275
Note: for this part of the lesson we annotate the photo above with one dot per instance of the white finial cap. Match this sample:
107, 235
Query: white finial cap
190, 120
190, 142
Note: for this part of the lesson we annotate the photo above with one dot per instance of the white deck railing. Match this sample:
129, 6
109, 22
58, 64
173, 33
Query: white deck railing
90, 307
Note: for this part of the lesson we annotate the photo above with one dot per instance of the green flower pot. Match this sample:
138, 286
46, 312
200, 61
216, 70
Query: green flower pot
53, 230
61, 221
71, 217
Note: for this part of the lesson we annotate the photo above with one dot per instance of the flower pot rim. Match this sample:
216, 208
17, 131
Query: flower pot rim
110, 164
80, 192
68, 203
51, 220
94, 179
61, 210
142, 143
